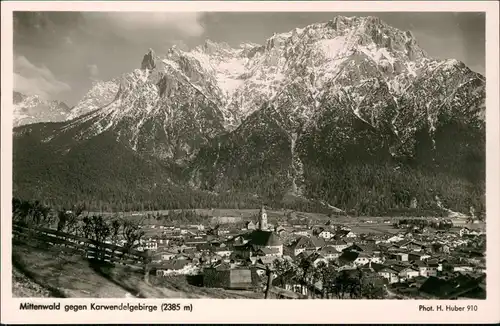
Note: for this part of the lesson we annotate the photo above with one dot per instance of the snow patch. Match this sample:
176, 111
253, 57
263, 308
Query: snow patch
333, 48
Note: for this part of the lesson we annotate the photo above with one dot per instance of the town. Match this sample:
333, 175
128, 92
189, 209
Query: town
292, 255
413, 262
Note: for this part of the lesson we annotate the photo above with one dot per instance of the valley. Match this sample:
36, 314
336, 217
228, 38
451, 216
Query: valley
338, 159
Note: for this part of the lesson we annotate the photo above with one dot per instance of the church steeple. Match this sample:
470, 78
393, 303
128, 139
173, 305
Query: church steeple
263, 219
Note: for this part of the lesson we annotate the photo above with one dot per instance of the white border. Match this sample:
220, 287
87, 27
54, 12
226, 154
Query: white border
263, 311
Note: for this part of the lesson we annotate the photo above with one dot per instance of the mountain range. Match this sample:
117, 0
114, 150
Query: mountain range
29, 109
350, 113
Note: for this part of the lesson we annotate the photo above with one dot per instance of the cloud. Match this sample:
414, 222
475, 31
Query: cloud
184, 23
68, 40
177, 43
33, 80
93, 71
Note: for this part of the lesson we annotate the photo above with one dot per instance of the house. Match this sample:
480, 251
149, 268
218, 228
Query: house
209, 258
340, 245
245, 250
222, 231
168, 255
250, 225
198, 227
462, 286
224, 251
370, 240
163, 240
316, 258
330, 252
416, 282
418, 256
279, 230
463, 268
393, 239
342, 233
266, 260
351, 234
194, 241
441, 247
468, 287
464, 231
387, 272
354, 247
425, 269
266, 239
225, 277
241, 239
366, 248
186, 232
401, 256
306, 244
354, 259
267, 252
412, 245
170, 267
362, 259
436, 263
325, 234
151, 245
408, 273
347, 260
303, 233
388, 247
377, 259
204, 247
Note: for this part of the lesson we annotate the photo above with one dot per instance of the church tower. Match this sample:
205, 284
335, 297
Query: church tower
263, 219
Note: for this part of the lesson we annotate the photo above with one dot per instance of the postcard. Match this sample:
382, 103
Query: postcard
250, 162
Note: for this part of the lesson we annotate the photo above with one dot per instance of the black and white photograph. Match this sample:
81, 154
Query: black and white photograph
249, 155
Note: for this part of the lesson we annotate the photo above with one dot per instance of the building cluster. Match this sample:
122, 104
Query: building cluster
403, 259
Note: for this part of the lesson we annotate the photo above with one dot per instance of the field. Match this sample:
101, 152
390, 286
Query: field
373, 224
50, 273
209, 213
373, 228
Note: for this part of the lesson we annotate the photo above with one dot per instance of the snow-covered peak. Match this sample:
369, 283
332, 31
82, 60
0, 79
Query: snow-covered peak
100, 94
359, 63
242, 77
30, 109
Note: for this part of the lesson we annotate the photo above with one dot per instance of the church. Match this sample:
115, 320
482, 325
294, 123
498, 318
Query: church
262, 240
265, 238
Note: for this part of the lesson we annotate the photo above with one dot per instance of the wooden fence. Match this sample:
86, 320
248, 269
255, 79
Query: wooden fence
70, 243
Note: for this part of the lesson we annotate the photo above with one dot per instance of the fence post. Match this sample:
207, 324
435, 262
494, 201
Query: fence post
147, 265
269, 279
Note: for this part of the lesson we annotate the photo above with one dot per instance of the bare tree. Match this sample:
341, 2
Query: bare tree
86, 227
326, 274
132, 233
115, 230
31, 216
69, 220
99, 231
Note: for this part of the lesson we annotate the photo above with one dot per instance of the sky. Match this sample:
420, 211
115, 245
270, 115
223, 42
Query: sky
58, 55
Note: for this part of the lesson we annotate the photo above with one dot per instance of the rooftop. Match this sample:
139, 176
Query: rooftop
264, 238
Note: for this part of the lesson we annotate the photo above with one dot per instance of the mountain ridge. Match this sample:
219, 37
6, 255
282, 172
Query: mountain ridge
28, 109
271, 118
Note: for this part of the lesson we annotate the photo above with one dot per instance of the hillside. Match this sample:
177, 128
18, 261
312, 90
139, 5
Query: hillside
41, 273
351, 113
